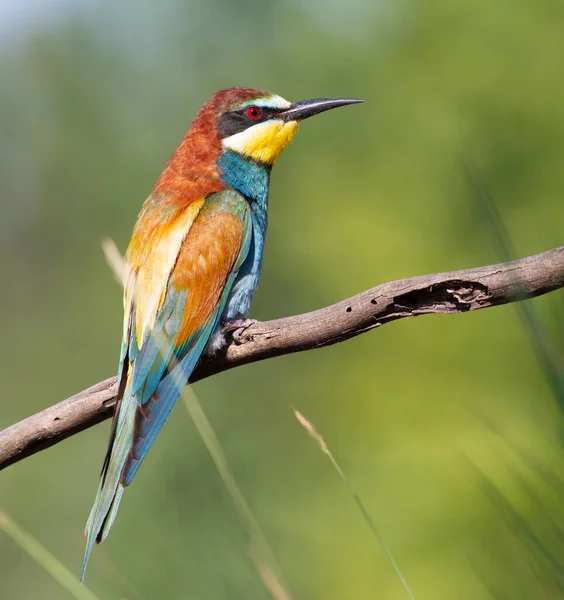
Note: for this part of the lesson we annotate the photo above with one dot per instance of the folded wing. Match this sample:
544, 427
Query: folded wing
176, 290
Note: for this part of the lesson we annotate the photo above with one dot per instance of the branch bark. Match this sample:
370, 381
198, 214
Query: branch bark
443, 293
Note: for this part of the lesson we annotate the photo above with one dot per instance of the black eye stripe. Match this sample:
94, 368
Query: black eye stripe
237, 121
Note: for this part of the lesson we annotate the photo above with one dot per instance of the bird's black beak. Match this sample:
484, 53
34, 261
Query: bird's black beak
308, 108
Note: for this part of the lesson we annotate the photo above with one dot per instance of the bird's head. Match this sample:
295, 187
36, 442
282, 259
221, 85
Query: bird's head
259, 125
239, 122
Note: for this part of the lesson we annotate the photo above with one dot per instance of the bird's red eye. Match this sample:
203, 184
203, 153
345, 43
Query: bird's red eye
253, 112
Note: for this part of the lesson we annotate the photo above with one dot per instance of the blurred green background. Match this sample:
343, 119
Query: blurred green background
445, 426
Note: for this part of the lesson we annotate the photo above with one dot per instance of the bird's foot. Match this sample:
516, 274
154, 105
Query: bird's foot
237, 328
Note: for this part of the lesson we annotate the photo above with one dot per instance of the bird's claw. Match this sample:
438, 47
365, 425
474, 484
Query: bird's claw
237, 328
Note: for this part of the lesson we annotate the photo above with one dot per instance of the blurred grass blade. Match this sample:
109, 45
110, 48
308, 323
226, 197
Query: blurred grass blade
484, 577
114, 259
268, 569
541, 468
488, 208
318, 438
44, 558
269, 578
516, 521
547, 355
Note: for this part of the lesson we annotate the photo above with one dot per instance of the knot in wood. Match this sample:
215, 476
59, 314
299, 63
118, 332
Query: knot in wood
455, 295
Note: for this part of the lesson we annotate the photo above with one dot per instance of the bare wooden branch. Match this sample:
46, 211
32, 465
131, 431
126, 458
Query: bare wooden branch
443, 293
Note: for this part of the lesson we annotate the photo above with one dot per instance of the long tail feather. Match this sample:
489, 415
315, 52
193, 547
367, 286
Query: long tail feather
111, 489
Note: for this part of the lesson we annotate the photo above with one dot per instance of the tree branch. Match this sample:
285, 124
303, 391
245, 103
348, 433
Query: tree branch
443, 293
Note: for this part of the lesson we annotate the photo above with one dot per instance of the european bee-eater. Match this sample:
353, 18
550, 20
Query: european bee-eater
192, 268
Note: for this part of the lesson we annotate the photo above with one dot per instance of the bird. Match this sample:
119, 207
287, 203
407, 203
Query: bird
191, 268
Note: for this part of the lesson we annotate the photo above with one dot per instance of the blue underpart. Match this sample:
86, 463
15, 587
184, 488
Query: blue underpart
251, 179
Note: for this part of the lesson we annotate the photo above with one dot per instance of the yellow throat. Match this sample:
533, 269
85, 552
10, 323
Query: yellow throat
263, 142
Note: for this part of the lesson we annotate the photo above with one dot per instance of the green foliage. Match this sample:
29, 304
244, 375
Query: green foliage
446, 427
